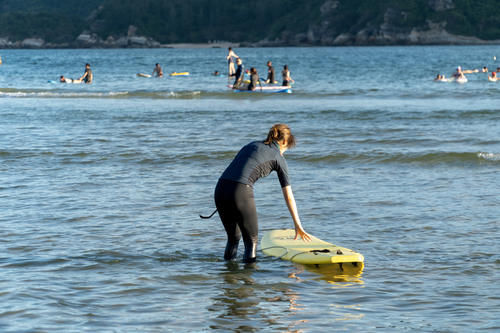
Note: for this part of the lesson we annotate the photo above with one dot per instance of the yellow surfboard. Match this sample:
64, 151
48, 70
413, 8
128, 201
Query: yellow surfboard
280, 243
179, 74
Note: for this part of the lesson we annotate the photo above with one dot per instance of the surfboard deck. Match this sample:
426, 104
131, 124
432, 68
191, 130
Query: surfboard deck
280, 243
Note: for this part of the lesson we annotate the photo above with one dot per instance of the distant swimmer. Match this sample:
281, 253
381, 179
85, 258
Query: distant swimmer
493, 77
440, 78
238, 74
461, 78
254, 79
0, 60
157, 71
230, 61
270, 73
485, 69
64, 79
216, 73
457, 73
287, 79
87, 77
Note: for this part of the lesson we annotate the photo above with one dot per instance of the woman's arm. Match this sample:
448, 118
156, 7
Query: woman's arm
292, 207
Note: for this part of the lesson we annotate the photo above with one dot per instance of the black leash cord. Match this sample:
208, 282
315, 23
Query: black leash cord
277, 247
207, 217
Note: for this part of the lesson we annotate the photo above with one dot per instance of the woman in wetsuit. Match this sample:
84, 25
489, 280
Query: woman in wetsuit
270, 73
234, 191
239, 74
254, 79
287, 79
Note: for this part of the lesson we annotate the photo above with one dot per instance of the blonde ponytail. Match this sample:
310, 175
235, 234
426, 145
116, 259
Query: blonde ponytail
280, 133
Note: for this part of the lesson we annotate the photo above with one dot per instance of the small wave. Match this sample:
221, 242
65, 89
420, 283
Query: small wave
489, 156
424, 159
41, 93
59, 94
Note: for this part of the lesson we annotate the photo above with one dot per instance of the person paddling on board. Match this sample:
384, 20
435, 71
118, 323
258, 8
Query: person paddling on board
62, 79
230, 61
87, 77
287, 79
234, 197
270, 73
239, 74
157, 71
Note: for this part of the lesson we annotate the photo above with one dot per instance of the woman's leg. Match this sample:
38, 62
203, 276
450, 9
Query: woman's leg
249, 223
229, 215
236, 206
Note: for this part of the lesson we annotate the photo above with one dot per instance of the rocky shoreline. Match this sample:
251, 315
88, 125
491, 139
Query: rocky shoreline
385, 35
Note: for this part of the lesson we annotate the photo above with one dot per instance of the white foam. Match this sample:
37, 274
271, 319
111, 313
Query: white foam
489, 156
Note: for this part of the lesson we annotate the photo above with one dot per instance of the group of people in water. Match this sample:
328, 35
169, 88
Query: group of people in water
239, 73
459, 75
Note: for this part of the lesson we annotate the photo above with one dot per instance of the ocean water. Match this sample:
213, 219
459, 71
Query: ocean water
101, 186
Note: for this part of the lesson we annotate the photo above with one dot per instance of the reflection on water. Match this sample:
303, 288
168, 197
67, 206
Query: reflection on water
336, 273
249, 300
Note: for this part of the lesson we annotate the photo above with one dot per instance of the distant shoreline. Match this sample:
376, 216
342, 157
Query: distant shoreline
224, 45
200, 45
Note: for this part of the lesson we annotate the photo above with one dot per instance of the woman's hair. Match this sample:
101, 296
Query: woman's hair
280, 132
253, 70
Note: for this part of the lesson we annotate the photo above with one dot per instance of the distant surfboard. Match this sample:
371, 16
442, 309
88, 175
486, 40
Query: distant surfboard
143, 75
179, 74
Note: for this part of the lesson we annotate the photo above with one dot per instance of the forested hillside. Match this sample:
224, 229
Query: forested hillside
268, 22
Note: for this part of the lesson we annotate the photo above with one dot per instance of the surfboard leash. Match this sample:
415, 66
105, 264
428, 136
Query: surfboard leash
276, 247
209, 216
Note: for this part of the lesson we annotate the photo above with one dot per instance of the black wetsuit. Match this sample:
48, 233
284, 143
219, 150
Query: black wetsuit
234, 194
88, 78
238, 75
270, 75
254, 80
286, 81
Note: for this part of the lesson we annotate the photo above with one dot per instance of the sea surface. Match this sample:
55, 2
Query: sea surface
101, 186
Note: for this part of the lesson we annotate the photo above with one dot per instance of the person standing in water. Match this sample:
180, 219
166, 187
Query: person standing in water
270, 73
230, 61
254, 79
239, 74
234, 197
157, 71
87, 77
287, 79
